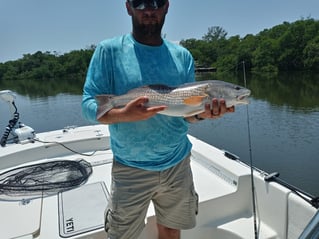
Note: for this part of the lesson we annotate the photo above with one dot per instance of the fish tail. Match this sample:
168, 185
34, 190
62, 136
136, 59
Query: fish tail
104, 104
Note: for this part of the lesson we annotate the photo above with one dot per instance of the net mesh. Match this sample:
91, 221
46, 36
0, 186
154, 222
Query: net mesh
43, 179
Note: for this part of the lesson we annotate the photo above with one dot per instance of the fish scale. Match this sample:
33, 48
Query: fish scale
163, 94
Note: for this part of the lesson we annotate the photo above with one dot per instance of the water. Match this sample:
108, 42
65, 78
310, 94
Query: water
283, 117
282, 140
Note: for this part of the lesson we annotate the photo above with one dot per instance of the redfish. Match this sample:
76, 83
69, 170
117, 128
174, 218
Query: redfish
181, 101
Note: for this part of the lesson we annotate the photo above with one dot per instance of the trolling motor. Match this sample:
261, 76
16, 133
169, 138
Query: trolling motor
19, 132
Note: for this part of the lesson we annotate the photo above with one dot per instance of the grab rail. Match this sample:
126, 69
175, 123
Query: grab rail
274, 177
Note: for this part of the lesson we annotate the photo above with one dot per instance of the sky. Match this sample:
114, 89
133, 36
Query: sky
60, 26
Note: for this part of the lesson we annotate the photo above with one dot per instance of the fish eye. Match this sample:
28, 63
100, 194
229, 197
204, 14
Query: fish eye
237, 88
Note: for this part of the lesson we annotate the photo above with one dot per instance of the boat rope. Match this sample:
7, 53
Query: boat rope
251, 162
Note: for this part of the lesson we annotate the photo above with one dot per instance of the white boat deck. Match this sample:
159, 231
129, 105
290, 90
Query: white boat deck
223, 185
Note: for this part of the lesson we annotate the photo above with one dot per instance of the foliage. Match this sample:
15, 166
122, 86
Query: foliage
285, 47
46, 66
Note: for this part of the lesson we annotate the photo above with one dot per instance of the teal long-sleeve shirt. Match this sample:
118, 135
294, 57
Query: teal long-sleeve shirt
120, 64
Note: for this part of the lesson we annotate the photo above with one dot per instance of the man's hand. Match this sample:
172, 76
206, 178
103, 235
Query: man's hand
135, 110
217, 110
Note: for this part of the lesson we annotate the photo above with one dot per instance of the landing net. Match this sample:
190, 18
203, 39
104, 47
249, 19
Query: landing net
43, 179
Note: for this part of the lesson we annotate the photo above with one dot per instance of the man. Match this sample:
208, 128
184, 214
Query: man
151, 151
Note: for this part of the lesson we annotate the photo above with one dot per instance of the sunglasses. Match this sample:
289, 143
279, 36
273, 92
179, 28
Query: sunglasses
143, 4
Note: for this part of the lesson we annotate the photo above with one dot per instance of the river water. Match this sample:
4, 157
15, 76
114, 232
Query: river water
283, 120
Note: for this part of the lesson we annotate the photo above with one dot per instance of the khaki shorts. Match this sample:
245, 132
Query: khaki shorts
171, 191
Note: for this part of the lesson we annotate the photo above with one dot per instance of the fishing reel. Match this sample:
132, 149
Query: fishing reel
19, 131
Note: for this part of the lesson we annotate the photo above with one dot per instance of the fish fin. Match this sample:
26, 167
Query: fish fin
104, 104
194, 100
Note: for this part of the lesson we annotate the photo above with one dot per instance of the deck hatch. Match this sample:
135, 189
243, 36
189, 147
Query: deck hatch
81, 210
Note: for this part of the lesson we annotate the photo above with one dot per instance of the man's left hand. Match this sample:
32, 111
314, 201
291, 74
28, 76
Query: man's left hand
217, 110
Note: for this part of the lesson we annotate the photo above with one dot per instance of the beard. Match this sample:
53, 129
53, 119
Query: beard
149, 26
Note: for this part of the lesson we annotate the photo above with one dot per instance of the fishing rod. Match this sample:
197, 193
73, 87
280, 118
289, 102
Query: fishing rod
227, 154
312, 229
251, 162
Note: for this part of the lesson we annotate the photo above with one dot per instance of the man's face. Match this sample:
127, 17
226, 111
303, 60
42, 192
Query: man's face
148, 22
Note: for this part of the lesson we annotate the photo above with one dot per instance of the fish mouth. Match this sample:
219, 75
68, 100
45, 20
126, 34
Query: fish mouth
243, 98
244, 95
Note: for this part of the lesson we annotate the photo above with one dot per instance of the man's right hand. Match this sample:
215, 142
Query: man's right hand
135, 110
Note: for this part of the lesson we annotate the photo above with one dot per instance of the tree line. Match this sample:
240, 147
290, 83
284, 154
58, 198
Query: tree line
48, 66
285, 47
